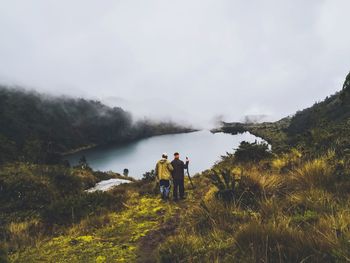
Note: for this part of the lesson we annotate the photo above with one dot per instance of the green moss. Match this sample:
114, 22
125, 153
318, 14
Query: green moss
114, 242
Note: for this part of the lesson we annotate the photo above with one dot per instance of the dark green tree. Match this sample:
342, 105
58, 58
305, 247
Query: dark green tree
252, 152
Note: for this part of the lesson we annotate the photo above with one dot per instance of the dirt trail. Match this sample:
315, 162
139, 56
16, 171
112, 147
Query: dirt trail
148, 245
147, 251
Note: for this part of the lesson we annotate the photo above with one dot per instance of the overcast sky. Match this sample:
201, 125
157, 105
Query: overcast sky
186, 59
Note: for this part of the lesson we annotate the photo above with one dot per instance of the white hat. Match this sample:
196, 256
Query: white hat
164, 154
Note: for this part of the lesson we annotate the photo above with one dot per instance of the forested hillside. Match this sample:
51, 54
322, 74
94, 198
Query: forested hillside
324, 125
38, 128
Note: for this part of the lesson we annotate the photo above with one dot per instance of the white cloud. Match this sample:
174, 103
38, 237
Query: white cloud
202, 57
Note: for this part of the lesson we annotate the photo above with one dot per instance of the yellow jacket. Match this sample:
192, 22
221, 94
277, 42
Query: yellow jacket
164, 169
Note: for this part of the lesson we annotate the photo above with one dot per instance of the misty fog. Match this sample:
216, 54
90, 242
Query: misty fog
192, 61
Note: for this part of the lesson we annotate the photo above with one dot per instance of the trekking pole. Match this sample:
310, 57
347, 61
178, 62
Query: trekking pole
188, 174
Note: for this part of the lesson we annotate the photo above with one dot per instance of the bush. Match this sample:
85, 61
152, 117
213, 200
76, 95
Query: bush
252, 152
3, 254
280, 243
245, 190
65, 181
215, 215
287, 161
182, 248
7, 149
74, 208
249, 191
315, 199
149, 176
315, 173
24, 192
225, 183
26, 233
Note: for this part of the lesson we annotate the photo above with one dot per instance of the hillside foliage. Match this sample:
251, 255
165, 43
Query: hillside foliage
288, 204
37, 128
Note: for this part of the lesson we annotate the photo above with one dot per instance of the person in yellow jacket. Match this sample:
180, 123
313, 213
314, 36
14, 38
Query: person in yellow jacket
163, 175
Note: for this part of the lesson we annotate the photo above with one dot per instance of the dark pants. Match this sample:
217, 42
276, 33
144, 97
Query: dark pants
164, 186
179, 188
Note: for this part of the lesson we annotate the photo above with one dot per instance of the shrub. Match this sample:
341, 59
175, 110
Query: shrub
66, 182
149, 176
225, 183
24, 192
24, 233
249, 191
3, 254
287, 161
317, 200
90, 224
252, 152
315, 173
182, 248
279, 243
100, 176
74, 208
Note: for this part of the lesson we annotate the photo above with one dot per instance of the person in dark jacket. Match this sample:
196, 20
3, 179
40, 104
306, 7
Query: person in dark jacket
178, 175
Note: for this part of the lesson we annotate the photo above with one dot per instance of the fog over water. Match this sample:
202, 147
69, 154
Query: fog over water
186, 60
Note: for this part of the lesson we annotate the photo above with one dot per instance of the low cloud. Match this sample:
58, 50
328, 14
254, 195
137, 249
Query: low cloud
184, 60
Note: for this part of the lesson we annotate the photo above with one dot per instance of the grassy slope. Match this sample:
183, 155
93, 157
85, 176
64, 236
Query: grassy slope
286, 209
289, 208
125, 236
115, 240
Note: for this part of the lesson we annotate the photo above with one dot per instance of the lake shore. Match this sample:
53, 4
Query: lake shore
202, 147
92, 146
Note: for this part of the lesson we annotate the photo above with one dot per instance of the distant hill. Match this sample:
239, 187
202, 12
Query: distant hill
316, 129
255, 118
324, 125
38, 128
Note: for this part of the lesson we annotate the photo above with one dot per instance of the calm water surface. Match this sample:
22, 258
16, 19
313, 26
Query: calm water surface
202, 147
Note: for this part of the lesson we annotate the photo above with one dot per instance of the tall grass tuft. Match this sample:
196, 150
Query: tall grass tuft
25, 233
225, 183
281, 243
182, 248
316, 173
315, 199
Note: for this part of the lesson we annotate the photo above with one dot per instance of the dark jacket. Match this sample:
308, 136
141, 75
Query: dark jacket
179, 167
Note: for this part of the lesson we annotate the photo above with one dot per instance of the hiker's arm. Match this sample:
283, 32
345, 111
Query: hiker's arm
170, 167
172, 171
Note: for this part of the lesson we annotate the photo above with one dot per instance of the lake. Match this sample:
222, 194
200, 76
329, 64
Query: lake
202, 147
